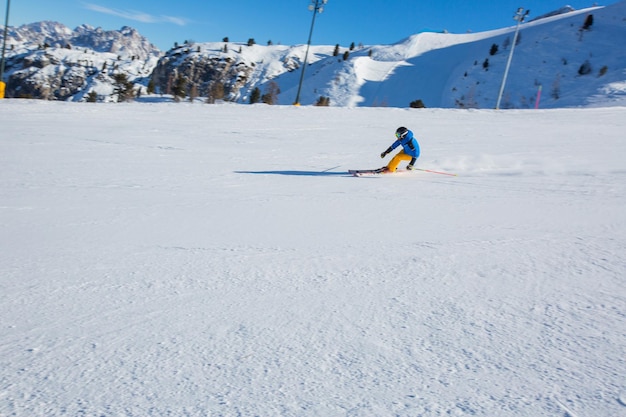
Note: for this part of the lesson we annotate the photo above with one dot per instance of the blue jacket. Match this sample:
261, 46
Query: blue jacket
409, 145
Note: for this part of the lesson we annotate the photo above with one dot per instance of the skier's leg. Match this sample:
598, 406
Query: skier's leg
395, 161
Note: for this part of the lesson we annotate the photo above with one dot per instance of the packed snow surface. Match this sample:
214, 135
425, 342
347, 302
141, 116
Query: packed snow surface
217, 260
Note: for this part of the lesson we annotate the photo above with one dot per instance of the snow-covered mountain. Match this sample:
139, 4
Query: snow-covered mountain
126, 42
574, 66
48, 60
560, 60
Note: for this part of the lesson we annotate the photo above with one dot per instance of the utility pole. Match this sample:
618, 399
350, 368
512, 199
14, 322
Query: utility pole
316, 7
4, 47
519, 16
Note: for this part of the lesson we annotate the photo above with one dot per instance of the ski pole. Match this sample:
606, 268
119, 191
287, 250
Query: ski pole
436, 172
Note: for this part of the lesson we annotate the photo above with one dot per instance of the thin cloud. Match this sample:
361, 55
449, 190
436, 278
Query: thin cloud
136, 15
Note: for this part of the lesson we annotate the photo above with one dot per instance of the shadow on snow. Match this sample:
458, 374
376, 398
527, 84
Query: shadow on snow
298, 173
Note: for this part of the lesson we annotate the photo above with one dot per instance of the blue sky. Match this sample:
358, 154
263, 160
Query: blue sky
283, 21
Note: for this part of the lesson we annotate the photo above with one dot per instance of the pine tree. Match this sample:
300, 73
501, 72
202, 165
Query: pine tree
179, 88
92, 97
271, 93
323, 101
217, 91
603, 71
193, 92
255, 96
123, 88
585, 68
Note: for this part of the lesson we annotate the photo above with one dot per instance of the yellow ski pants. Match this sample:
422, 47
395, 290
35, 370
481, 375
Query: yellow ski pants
395, 161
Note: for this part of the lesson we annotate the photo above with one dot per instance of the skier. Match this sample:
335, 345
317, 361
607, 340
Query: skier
410, 150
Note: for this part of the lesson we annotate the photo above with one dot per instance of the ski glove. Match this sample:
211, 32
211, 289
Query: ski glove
388, 150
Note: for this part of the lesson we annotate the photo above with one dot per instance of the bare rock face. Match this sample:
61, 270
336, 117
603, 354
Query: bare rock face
213, 74
48, 76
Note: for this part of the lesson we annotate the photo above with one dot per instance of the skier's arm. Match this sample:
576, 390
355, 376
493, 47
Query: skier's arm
390, 149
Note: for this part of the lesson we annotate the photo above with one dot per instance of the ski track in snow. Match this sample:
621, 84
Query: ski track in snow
192, 260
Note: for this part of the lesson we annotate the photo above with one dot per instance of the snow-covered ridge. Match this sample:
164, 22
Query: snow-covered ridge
126, 42
557, 63
459, 70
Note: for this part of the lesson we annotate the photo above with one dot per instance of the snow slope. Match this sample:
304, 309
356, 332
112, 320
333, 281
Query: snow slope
446, 70
193, 260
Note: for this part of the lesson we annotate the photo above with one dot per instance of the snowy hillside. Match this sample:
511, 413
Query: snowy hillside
191, 260
446, 70
555, 60
449, 70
